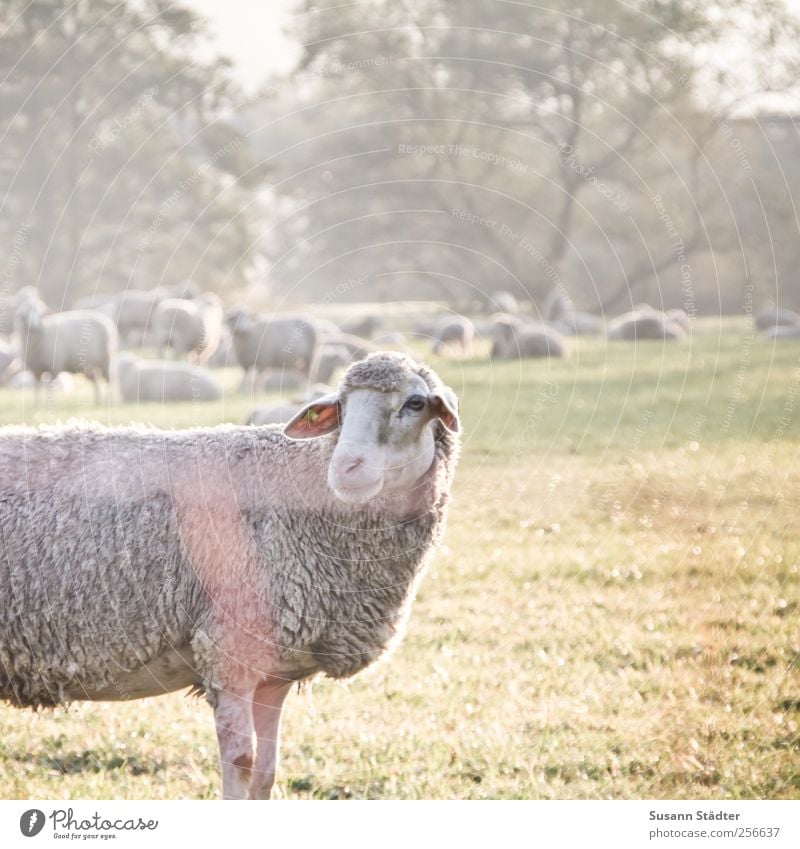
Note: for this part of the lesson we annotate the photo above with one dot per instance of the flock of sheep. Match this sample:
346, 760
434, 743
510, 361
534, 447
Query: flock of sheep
235, 560
296, 355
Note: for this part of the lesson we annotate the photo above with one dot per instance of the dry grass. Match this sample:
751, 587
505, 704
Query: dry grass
616, 611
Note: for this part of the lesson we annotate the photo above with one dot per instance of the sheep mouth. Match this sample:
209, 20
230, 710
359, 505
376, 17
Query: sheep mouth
358, 494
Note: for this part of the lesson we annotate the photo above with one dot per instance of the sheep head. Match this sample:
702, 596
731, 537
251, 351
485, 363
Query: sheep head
388, 412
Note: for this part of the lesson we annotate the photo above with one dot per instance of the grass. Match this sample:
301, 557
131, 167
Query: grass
615, 612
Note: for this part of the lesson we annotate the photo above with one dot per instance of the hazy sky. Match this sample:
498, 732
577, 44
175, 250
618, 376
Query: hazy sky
250, 33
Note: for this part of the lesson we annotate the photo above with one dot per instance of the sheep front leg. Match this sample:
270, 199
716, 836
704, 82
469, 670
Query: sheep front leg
267, 703
233, 717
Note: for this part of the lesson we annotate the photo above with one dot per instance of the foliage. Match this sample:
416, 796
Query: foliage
118, 168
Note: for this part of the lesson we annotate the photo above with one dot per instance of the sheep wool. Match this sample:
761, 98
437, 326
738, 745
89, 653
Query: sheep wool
136, 561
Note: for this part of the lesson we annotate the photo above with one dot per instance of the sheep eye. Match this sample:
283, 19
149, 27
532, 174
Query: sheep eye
415, 403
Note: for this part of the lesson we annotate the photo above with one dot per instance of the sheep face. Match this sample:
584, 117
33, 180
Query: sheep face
386, 439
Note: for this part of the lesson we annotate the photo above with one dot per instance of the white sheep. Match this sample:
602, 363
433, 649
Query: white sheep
163, 381
78, 342
236, 560
191, 328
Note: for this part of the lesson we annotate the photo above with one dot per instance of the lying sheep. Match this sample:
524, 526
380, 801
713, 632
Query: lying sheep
776, 317
281, 380
78, 341
190, 328
274, 414
280, 413
782, 332
234, 560
644, 323
513, 339
163, 381
277, 341
453, 332
576, 323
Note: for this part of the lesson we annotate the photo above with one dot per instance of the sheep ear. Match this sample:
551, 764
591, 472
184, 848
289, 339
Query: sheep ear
315, 419
444, 405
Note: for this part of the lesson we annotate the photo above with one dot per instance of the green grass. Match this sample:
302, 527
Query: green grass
615, 612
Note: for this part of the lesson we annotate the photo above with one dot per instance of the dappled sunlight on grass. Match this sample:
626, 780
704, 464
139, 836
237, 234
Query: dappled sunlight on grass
614, 612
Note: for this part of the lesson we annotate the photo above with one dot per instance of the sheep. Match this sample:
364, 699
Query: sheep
224, 356
275, 414
280, 380
776, 317
644, 323
133, 309
78, 341
191, 328
9, 362
513, 339
10, 304
328, 360
782, 331
162, 381
276, 341
576, 323
357, 347
452, 332
680, 317
504, 302
233, 560
365, 326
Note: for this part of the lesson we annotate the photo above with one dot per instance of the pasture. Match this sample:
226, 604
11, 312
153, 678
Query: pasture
615, 613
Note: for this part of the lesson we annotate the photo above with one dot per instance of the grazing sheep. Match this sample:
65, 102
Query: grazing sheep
224, 356
9, 304
358, 348
276, 341
390, 340
453, 331
9, 362
512, 339
163, 381
191, 328
776, 317
234, 560
133, 310
644, 323
274, 414
78, 341
365, 326
328, 360
324, 328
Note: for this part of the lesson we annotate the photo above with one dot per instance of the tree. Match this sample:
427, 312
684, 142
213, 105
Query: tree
487, 146
118, 168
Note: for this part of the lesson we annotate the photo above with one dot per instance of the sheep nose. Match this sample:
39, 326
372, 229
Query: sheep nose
350, 464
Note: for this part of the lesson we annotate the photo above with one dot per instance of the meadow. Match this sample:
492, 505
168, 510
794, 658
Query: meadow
615, 612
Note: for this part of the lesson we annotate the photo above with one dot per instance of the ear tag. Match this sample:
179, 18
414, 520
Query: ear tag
312, 416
